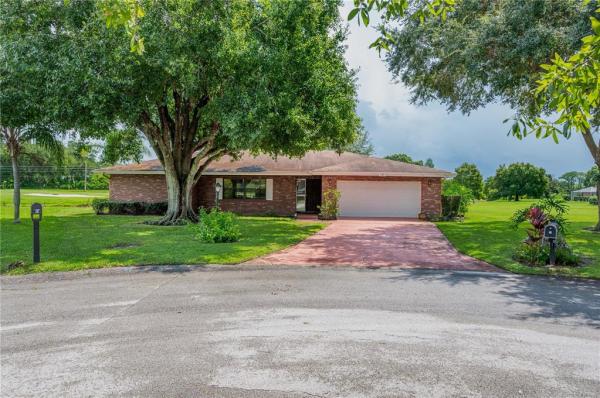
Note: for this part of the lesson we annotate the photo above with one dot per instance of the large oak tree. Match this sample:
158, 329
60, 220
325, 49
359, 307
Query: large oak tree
215, 78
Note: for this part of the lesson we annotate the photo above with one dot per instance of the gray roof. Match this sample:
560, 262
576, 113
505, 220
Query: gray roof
312, 163
586, 190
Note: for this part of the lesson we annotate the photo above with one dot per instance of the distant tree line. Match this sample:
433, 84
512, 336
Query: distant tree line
518, 180
402, 157
40, 167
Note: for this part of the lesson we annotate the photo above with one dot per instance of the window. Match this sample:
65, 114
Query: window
244, 188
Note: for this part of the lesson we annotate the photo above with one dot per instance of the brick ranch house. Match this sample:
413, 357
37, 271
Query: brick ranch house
369, 186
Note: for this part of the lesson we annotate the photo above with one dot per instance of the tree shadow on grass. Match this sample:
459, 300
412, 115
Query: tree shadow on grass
550, 298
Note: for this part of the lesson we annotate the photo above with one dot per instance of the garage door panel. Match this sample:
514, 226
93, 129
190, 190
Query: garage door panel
380, 198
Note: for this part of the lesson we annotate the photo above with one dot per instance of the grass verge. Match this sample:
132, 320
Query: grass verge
486, 234
74, 238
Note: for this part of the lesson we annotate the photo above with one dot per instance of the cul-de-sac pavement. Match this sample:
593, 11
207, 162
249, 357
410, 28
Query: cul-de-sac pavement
262, 331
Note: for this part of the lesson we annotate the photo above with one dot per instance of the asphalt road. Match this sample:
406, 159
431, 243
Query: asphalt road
303, 332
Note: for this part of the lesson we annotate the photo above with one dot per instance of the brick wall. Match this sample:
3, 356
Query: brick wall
431, 189
138, 188
283, 203
152, 188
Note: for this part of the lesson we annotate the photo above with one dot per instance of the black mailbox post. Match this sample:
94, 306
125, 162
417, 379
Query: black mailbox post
551, 234
36, 217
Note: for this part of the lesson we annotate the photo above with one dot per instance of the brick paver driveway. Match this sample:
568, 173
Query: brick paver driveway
377, 243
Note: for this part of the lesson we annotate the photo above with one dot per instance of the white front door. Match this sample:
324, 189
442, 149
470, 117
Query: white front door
379, 198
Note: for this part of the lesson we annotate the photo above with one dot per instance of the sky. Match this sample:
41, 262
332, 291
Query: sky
395, 125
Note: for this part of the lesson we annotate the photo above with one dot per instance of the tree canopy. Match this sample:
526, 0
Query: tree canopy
361, 144
592, 177
403, 157
468, 175
573, 180
214, 78
520, 179
485, 51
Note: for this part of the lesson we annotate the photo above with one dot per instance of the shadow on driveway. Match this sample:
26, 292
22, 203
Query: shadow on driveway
548, 297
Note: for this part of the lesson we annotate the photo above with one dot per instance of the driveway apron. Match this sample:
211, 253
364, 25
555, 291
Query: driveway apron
377, 242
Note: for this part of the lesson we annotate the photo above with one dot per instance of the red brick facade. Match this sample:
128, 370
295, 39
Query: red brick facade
283, 203
152, 188
138, 188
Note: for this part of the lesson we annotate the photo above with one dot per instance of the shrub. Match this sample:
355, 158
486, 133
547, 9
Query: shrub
330, 207
98, 181
462, 199
217, 226
535, 250
538, 254
539, 214
593, 200
450, 206
105, 206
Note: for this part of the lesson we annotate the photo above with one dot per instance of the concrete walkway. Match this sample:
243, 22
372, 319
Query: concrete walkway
377, 242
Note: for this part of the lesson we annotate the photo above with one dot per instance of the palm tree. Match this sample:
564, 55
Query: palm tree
14, 138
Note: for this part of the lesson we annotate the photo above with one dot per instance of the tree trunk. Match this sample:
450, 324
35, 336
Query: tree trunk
179, 199
184, 152
16, 190
594, 148
597, 227
516, 197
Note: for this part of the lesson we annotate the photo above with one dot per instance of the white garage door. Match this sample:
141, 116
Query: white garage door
380, 198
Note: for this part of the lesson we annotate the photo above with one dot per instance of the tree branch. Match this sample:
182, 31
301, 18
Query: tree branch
214, 130
202, 102
211, 155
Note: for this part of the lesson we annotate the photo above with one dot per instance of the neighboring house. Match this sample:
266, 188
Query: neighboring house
583, 193
369, 187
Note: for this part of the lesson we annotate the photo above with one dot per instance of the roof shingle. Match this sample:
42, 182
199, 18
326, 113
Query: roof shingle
313, 163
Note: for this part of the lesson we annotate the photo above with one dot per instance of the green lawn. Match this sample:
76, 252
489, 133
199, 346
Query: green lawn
73, 237
486, 235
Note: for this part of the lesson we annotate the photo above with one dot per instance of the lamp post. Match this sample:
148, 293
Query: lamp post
218, 194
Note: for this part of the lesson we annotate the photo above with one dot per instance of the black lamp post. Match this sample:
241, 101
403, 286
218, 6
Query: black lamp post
218, 194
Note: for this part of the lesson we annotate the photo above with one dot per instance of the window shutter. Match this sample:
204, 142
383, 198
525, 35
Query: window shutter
219, 181
269, 194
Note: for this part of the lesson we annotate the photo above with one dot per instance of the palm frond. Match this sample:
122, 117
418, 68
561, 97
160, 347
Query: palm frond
47, 138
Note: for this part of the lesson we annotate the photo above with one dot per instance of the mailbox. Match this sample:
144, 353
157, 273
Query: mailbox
36, 212
551, 235
551, 231
36, 217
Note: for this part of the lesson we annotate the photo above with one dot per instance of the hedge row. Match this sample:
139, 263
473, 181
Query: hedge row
593, 200
105, 206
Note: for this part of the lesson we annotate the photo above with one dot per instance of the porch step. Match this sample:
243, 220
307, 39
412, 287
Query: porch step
304, 216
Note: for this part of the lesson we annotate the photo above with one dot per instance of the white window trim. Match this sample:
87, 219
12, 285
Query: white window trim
269, 193
219, 181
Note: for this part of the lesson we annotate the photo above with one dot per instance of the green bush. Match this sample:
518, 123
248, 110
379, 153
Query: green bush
538, 254
451, 206
330, 207
461, 198
552, 209
105, 206
217, 226
593, 200
98, 181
